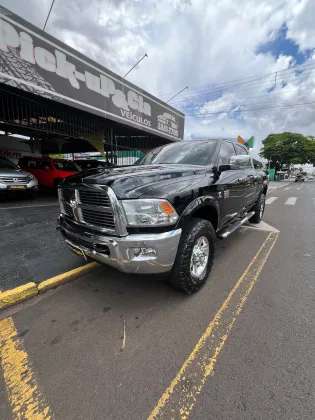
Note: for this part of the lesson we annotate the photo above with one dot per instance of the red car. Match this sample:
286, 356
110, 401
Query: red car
49, 172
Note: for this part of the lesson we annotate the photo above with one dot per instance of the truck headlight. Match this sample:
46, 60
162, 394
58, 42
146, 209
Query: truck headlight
30, 177
149, 212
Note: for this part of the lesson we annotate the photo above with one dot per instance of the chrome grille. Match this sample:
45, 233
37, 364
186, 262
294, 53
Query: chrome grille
89, 206
77, 241
68, 210
98, 218
14, 180
94, 198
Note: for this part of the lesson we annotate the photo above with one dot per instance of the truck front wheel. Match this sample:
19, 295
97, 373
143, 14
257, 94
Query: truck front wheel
194, 257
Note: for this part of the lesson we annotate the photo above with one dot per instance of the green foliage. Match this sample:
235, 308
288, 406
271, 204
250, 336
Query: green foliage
57, 156
288, 148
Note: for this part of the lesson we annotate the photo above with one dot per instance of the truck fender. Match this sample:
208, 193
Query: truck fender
196, 205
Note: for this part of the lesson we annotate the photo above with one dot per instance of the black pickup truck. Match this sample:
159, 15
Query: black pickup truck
164, 213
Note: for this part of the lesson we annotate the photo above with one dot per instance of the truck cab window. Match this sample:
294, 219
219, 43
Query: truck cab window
226, 152
240, 150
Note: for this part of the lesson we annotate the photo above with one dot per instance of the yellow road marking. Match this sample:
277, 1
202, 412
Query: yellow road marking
180, 397
24, 395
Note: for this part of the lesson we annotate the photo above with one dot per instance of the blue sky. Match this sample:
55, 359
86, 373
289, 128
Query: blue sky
282, 45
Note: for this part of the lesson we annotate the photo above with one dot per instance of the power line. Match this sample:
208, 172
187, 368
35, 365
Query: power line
265, 85
247, 110
232, 104
53, 1
252, 78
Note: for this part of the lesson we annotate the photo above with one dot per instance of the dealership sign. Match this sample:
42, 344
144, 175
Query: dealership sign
37, 62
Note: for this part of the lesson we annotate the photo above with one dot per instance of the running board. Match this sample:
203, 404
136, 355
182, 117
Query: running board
225, 232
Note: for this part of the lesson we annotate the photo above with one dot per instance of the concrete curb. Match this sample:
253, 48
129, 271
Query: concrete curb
22, 293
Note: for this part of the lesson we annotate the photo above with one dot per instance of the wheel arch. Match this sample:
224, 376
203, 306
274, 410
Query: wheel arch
205, 207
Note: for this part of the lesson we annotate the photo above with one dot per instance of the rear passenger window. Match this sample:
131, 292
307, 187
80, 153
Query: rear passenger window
240, 150
31, 164
226, 151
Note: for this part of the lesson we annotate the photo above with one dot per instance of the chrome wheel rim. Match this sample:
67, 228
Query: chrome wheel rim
199, 257
262, 208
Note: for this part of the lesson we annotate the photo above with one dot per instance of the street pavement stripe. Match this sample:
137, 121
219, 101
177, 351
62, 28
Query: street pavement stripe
262, 226
291, 201
180, 397
24, 395
271, 200
286, 189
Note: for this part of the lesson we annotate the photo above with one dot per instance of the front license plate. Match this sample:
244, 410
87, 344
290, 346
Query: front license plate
17, 187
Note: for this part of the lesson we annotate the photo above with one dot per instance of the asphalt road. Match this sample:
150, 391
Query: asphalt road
110, 346
30, 247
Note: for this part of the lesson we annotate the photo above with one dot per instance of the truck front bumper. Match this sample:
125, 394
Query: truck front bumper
142, 253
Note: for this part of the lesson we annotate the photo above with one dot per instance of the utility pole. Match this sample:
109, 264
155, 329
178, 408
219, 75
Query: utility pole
177, 94
48, 14
145, 55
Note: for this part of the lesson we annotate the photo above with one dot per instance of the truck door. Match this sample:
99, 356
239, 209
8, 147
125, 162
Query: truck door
229, 185
249, 177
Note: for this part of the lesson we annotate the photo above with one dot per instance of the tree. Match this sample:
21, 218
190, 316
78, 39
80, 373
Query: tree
288, 148
57, 156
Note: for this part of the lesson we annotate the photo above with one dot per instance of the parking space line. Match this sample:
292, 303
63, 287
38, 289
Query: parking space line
24, 395
180, 397
291, 201
270, 200
33, 206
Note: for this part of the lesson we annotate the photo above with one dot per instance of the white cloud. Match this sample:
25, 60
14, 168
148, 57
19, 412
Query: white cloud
196, 43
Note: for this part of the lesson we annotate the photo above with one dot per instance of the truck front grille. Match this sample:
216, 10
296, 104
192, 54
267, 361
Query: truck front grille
77, 241
98, 218
88, 207
94, 198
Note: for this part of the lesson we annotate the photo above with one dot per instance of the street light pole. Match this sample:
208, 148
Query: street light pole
145, 55
177, 94
48, 14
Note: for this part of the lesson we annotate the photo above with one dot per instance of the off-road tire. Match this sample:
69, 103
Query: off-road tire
180, 276
257, 217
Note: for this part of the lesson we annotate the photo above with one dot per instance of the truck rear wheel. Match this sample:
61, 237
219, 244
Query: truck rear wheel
259, 209
194, 257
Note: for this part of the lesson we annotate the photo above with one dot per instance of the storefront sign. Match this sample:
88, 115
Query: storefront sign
37, 62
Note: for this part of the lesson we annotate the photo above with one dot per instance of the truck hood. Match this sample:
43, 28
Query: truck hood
134, 181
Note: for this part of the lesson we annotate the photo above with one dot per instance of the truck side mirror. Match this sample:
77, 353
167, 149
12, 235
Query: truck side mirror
223, 168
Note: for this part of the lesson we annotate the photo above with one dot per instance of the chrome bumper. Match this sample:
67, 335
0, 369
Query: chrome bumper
141, 253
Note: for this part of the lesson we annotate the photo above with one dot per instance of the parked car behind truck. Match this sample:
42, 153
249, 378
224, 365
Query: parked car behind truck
165, 213
14, 180
49, 172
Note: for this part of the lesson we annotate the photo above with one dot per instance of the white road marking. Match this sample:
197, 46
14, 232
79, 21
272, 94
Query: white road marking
24, 207
271, 200
291, 201
286, 189
262, 226
299, 188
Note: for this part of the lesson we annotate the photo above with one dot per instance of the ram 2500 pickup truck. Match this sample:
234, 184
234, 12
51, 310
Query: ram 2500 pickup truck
163, 214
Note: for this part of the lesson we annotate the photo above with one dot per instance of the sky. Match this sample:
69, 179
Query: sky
249, 64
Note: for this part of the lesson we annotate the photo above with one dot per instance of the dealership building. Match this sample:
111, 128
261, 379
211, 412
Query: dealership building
55, 100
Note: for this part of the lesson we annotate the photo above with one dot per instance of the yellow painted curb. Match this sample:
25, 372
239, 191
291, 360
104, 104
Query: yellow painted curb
17, 295
65, 277
21, 293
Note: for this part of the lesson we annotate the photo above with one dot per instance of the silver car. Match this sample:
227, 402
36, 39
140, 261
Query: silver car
13, 179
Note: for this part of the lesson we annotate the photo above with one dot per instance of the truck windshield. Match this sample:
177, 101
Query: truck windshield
186, 152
